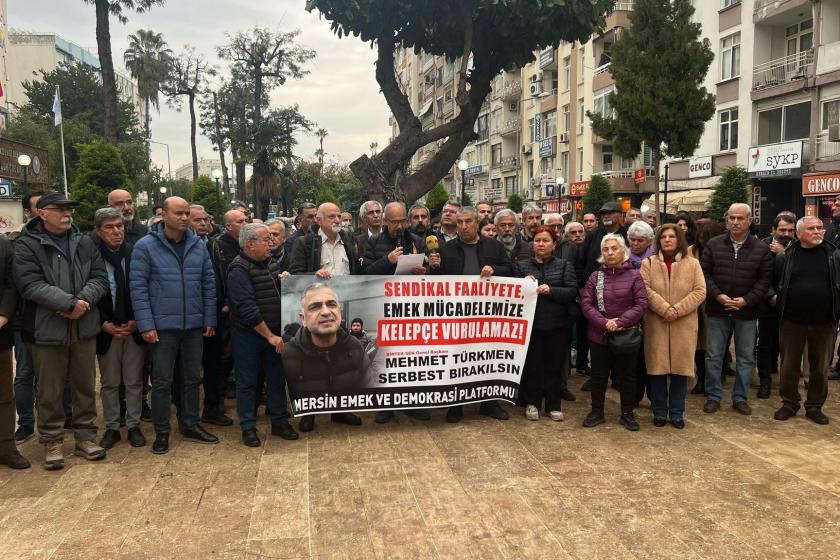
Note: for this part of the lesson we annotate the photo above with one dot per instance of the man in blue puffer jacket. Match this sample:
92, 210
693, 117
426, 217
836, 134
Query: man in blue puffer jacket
173, 292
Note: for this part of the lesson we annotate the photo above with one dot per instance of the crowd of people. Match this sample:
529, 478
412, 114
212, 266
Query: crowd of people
179, 303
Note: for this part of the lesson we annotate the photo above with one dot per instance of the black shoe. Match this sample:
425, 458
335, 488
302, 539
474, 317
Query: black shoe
24, 433
659, 422
307, 423
383, 416
678, 424
567, 395
698, 389
711, 406
418, 414
145, 412
594, 418
764, 389
784, 413
110, 439
742, 407
217, 419
347, 418
284, 430
454, 414
494, 410
834, 374
199, 435
14, 460
584, 371
587, 385
628, 420
136, 437
250, 438
817, 416
161, 444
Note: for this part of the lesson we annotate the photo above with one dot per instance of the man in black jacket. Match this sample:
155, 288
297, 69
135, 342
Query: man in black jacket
120, 199
9, 454
305, 218
370, 224
587, 257
808, 300
326, 251
118, 345
738, 269
229, 241
471, 254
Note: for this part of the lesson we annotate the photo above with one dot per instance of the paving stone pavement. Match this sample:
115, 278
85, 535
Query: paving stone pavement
727, 486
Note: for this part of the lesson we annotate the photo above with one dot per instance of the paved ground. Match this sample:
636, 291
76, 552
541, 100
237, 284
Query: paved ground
725, 487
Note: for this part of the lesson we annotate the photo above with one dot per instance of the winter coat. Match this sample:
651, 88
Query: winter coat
228, 249
8, 294
375, 258
782, 269
552, 310
312, 371
748, 275
625, 298
669, 347
166, 293
49, 281
106, 306
490, 253
306, 252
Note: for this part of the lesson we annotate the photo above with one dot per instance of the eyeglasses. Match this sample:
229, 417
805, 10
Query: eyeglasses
59, 208
121, 203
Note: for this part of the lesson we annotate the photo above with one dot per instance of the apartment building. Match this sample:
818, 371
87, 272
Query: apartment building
776, 78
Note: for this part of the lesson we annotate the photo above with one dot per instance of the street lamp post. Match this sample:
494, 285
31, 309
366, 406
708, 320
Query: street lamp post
558, 184
24, 161
217, 174
162, 191
463, 165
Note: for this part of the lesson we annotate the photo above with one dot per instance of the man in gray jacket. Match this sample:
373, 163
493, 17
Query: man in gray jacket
61, 276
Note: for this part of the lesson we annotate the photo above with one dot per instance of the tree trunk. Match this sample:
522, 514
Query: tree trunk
217, 122
240, 180
109, 81
191, 97
148, 154
258, 86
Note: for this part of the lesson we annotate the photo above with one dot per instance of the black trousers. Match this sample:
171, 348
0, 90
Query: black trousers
212, 364
624, 365
582, 360
547, 351
768, 347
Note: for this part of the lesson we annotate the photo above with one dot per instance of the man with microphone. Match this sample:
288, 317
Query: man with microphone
381, 256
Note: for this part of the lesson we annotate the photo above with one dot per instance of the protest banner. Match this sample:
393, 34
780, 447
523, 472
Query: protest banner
432, 341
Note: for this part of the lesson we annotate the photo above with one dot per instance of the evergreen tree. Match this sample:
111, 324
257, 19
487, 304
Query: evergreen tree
514, 202
731, 188
325, 194
100, 170
436, 198
659, 65
205, 192
466, 200
598, 194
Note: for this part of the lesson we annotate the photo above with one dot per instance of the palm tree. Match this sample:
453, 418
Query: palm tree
148, 61
321, 133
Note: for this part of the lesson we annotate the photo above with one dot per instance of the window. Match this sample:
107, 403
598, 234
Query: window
783, 124
550, 123
581, 115
567, 73
830, 112
531, 130
496, 120
601, 103
496, 187
511, 185
730, 57
547, 165
800, 37
530, 169
581, 62
580, 164
728, 129
439, 75
564, 164
727, 3
483, 154
447, 94
482, 127
496, 155
606, 158
566, 117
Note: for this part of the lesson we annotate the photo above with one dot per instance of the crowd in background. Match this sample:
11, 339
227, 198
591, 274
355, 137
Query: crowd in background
180, 303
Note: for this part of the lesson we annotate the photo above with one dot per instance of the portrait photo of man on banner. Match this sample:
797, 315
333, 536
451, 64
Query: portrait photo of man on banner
432, 341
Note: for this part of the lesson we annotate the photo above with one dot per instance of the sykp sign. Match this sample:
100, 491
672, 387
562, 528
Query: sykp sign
775, 160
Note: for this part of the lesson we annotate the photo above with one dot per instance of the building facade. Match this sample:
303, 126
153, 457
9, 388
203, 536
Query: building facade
206, 167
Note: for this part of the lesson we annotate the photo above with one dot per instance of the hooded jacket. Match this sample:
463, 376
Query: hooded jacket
50, 281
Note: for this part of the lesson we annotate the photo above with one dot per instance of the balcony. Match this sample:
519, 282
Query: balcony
783, 70
622, 7
602, 69
509, 127
510, 163
511, 91
764, 9
825, 149
447, 108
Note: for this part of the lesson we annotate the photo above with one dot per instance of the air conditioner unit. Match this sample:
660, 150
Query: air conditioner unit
536, 88
834, 133
512, 107
526, 148
535, 182
563, 137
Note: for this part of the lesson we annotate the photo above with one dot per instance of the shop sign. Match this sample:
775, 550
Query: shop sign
821, 184
639, 176
700, 167
547, 147
565, 206
756, 205
775, 160
578, 188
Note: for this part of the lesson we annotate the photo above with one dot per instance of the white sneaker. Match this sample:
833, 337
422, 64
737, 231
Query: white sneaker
531, 412
556, 415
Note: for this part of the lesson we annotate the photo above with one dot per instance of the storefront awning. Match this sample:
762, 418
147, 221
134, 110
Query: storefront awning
688, 201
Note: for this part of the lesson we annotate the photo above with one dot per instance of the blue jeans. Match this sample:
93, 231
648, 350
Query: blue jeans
717, 335
186, 347
25, 386
667, 395
252, 352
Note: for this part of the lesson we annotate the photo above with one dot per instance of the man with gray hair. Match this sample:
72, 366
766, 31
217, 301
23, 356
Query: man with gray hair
256, 324
122, 201
371, 212
277, 249
118, 345
738, 269
640, 238
531, 220
507, 227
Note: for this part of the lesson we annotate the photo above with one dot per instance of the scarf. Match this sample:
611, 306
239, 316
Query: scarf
122, 307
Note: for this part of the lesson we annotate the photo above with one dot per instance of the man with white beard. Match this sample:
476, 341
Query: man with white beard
507, 226
120, 199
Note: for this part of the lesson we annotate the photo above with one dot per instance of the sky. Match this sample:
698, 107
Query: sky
340, 94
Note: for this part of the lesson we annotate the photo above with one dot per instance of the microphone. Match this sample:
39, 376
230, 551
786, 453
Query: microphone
432, 245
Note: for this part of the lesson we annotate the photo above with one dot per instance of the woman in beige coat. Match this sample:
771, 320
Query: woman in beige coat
675, 288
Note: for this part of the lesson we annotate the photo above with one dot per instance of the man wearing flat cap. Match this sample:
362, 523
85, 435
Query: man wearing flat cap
587, 262
61, 277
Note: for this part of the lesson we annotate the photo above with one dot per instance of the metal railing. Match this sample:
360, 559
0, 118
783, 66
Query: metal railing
602, 69
783, 70
511, 89
510, 163
612, 174
509, 127
826, 149
622, 7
